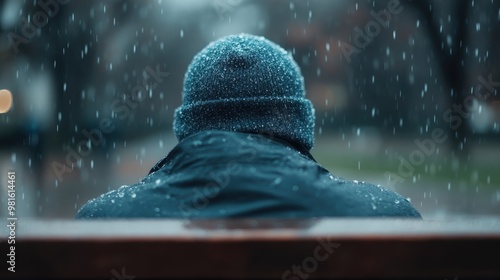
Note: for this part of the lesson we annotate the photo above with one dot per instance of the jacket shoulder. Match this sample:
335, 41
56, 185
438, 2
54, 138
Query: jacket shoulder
92, 209
126, 201
366, 199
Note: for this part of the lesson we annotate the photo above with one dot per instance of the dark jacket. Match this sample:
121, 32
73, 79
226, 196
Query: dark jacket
220, 174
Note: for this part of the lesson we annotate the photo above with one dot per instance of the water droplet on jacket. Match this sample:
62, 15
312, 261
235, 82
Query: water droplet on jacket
133, 195
157, 209
121, 194
277, 181
112, 201
197, 143
158, 181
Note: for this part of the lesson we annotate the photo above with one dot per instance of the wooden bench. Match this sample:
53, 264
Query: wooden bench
270, 249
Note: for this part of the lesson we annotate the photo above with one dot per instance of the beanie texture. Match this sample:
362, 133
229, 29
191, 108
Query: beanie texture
245, 83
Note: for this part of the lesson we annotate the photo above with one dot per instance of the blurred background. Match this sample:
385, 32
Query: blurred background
406, 93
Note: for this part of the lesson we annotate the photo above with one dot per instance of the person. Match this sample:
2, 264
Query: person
245, 130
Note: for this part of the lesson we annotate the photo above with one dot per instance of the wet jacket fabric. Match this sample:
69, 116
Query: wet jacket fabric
221, 174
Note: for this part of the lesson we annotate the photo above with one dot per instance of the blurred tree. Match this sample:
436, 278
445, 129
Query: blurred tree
452, 59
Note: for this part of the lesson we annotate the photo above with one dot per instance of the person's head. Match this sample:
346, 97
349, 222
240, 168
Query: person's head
245, 83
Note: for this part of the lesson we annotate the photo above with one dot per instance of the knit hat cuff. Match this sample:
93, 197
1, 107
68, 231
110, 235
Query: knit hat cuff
289, 118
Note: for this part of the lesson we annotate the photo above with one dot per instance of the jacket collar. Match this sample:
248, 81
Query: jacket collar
191, 142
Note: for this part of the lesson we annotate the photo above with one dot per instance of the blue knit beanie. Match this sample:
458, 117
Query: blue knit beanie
245, 83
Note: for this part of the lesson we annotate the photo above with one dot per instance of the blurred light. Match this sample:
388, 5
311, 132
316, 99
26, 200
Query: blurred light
5, 101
